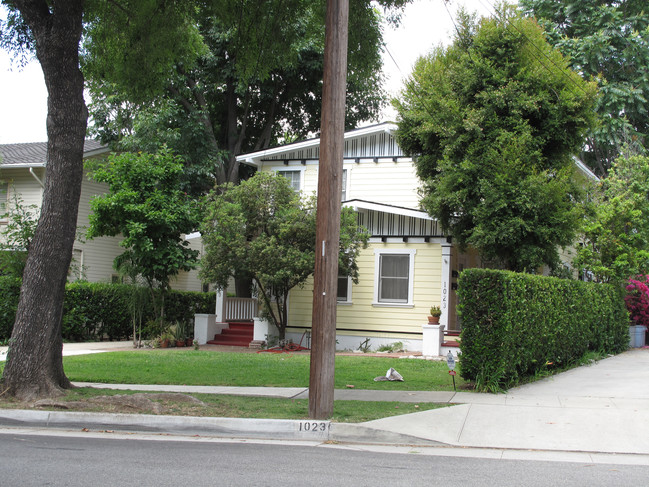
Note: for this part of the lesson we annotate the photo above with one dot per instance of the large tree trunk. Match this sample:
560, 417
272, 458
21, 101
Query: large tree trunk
34, 365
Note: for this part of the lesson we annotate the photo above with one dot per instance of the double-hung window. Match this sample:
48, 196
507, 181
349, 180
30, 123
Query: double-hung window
394, 277
294, 178
344, 292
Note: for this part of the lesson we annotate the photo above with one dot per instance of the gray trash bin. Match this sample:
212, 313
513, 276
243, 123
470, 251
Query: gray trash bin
636, 336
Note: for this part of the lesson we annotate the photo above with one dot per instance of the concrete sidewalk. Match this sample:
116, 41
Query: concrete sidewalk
599, 408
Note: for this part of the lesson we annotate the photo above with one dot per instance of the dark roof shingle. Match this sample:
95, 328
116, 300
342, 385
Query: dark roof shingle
34, 153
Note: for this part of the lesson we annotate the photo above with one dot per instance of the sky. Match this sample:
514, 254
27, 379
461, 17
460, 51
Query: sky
425, 23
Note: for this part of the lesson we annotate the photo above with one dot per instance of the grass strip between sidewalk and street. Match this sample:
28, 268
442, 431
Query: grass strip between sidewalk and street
88, 399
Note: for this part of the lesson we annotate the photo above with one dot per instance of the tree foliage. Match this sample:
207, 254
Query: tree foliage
263, 228
52, 30
494, 120
615, 229
148, 208
16, 236
256, 79
607, 40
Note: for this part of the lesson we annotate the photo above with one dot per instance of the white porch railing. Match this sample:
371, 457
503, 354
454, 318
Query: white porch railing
239, 309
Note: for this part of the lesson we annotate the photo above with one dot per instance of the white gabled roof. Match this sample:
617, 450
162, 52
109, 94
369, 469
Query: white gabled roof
254, 158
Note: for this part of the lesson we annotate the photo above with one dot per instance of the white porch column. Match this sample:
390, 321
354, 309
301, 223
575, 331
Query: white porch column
446, 284
205, 327
220, 305
433, 336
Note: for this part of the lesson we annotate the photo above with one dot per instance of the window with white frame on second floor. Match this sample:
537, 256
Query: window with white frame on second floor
293, 177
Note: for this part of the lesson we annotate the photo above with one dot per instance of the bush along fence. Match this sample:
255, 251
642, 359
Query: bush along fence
516, 325
96, 311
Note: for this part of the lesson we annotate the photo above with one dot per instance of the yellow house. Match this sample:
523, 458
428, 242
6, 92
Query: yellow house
22, 173
408, 265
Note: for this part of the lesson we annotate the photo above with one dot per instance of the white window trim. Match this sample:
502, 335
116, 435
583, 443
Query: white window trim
299, 168
348, 299
346, 187
411, 277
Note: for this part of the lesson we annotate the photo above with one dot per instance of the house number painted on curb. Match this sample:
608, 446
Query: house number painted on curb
313, 426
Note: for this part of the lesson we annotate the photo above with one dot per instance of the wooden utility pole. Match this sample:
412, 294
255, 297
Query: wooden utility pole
332, 131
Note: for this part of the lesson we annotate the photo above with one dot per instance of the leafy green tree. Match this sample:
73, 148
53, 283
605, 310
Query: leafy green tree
607, 40
264, 228
16, 236
615, 234
148, 208
259, 80
494, 120
52, 29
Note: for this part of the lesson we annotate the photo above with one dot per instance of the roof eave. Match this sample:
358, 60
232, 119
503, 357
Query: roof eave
253, 158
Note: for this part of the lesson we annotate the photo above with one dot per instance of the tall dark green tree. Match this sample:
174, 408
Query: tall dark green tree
52, 30
257, 82
608, 41
494, 120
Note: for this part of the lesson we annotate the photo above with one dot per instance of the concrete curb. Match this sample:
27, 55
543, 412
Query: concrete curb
239, 428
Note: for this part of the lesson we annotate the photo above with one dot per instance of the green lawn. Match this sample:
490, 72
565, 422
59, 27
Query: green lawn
197, 367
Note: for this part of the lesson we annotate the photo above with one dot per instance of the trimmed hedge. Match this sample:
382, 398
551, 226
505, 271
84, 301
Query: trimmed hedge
9, 294
94, 311
515, 325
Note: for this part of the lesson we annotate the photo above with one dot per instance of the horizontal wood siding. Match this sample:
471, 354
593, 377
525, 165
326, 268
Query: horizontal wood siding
21, 183
99, 253
372, 320
189, 281
93, 258
387, 182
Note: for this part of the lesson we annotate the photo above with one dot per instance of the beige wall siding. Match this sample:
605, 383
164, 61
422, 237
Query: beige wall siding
99, 253
386, 182
93, 259
189, 281
369, 318
23, 184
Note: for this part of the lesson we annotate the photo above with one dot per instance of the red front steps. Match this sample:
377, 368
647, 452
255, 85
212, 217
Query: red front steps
453, 342
238, 334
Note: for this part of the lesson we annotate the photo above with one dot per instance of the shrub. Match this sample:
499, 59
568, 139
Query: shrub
637, 300
9, 294
94, 311
515, 325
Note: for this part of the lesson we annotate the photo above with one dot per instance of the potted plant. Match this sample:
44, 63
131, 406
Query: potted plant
179, 333
165, 339
435, 313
